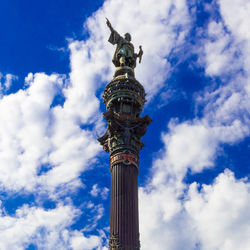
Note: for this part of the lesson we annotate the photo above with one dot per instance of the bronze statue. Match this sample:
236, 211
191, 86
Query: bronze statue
124, 53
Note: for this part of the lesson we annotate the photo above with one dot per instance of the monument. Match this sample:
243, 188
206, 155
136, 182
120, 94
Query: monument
124, 98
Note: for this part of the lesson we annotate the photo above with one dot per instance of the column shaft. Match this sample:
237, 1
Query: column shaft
124, 221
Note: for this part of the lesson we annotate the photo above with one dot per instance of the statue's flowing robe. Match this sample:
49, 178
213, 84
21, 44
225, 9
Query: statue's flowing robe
123, 48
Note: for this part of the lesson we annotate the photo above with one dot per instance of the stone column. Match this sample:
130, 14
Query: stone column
124, 98
124, 217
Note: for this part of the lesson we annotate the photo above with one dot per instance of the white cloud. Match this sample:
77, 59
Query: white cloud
35, 225
81, 103
47, 229
221, 213
6, 82
174, 215
226, 55
9, 78
190, 145
220, 54
1, 87
104, 193
96, 191
79, 242
34, 135
164, 224
72, 151
226, 108
97, 212
23, 137
194, 146
236, 16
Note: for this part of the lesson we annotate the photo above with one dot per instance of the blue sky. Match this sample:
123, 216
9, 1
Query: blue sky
194, 169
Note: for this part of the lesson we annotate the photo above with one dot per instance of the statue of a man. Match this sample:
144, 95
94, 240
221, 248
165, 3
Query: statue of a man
124, 53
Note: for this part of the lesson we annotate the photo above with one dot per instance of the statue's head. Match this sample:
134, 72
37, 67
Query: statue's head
127, 36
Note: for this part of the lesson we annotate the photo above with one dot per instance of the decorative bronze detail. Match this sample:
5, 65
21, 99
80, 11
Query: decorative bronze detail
127, 159
124, 98
114, 243
124, 133
125, 88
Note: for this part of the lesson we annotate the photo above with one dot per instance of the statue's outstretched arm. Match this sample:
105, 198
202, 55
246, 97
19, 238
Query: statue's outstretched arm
109, 25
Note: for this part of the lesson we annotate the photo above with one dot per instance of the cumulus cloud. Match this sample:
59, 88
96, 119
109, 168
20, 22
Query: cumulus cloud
79, 242
221, 212
34, 135
226, 108
236, 15
184, 216
24, 123
46, 229
213, 217
221, 51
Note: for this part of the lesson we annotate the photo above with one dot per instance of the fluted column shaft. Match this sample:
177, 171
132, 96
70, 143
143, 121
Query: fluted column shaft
124, 217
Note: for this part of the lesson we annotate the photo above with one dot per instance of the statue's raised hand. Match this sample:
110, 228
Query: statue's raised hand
109, 24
